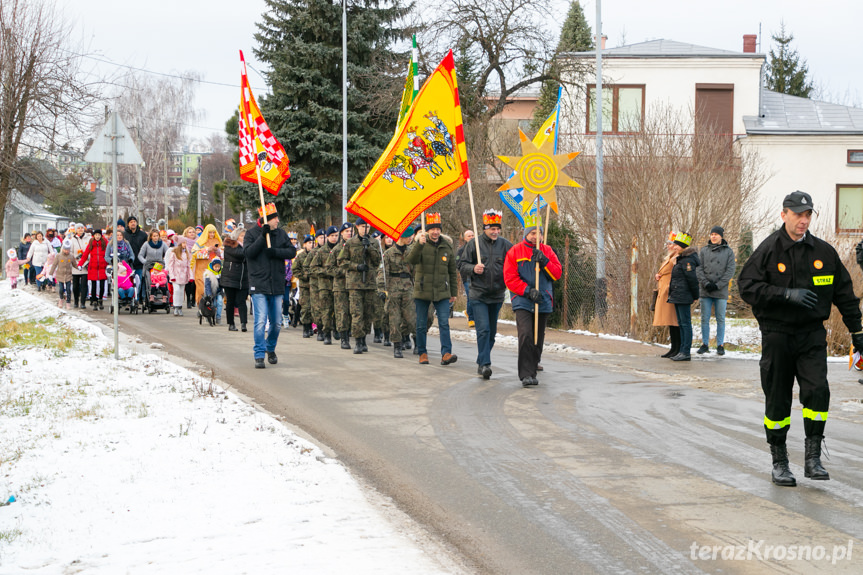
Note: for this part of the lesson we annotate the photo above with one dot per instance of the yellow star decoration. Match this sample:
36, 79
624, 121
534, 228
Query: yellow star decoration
538, 171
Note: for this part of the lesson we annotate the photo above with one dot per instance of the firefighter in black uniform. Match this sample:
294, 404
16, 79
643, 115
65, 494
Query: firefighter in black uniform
791, 281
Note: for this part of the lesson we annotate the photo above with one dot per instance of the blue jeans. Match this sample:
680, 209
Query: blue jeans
708, 304
485, 316
442, 310
266, 308
684, 320
219, 301
127, 293
469, 310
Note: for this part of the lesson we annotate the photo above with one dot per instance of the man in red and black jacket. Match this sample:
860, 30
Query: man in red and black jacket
519, 274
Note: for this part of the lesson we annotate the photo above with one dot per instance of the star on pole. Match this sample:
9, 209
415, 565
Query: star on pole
538, 171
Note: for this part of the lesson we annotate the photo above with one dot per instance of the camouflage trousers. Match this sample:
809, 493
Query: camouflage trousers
315, 298
305, 306
342, 304
381, 319
325, 299
402, 315
362, 311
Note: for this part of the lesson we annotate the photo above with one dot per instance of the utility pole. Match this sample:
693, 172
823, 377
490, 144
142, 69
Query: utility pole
200, 188
166, 189
600, 288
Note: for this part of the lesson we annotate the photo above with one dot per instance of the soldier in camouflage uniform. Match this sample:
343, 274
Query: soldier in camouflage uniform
381, 319
301, 271
325, 283
341, 302
314, 293
400, 307
360, 259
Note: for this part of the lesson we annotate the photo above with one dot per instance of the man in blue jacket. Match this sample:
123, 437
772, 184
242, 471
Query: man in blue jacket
266, 265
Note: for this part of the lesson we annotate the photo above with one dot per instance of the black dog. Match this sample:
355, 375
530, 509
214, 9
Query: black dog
206, 309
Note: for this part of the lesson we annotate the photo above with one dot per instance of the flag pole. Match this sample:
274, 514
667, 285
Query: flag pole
547, 220
245, 95
261, 192
536, 266
473, 218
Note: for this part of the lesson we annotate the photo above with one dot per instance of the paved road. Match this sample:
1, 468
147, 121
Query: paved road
613, 464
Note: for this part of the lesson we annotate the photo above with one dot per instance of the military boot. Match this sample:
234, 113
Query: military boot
337, 335
397, 350
781, 473
345, 343
406, 342
358, 345
328, 338
387, 341
377, 338
812, 467
320, 334
307, 330
364, 344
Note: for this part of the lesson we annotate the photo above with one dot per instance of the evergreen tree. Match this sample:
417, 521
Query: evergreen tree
300, 41
192, 202
575, 36
786, 73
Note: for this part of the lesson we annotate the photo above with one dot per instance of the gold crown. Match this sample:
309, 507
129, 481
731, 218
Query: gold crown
433, 218
683, 238
492, 217
270, 210
531, 221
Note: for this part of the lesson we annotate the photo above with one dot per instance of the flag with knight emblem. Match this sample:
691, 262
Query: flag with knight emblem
259, 148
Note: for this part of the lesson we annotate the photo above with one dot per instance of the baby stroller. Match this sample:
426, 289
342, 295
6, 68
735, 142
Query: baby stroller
156, 295
125, 303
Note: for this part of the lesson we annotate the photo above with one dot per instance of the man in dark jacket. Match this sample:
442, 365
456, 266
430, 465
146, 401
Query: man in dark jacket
487, 288
433, 258
683, 290
714, 274
266, 265
791, 281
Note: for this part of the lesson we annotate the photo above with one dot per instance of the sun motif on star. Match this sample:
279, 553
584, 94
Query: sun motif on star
538, 171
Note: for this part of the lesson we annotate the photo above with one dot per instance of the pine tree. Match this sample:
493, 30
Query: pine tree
575, 36
300, 41
786, 73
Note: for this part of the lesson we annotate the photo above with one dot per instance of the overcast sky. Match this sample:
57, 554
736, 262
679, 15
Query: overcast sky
173, 36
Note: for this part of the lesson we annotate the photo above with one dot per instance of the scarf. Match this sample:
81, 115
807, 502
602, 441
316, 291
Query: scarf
155, 246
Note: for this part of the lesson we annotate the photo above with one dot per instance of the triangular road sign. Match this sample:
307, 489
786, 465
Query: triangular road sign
101, 150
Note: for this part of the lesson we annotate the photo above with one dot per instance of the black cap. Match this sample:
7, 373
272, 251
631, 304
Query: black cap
332, 230
320, 232
346, 226
130, 218
359, 221
798, 202
308, 238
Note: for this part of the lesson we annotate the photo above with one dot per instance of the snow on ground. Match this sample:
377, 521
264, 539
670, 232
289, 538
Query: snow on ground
141, 466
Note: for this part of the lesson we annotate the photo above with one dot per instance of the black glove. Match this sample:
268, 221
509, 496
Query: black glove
382, 295
538, 256
534, 295
802, 297
362, 267
266, 230
711, 286
366, 241
857, 341
270, 253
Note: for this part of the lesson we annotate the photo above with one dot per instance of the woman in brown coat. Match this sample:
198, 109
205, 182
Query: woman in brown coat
665, 313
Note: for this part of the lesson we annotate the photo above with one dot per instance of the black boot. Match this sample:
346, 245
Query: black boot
416, 349
781, 473
328, 339
377, 338
397, 350
320, 334
674, 333
406, 342
337, 335
364, 344
812, 467
307, 330
345, 343
358, 345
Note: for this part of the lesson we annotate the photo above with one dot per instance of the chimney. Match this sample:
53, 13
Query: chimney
604, 40
749, 43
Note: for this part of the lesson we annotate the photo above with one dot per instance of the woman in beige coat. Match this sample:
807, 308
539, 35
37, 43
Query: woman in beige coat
665, 313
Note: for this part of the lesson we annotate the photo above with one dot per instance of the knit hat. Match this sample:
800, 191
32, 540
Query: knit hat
130, 218
11, 254
67, 244
717, 230
120, 222
530, 224
97, 231
213, 263
682, 239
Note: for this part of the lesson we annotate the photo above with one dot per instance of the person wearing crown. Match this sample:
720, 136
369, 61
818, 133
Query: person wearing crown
528, 297
683, 290
433, 257
266, 248
487, 288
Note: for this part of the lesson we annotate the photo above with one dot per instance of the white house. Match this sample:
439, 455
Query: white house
803, 144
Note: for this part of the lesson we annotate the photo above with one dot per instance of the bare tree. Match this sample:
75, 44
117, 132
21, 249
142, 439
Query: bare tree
43, 96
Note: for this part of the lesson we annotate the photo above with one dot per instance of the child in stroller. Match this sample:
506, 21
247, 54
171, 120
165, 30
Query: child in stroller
127, 285
156, 287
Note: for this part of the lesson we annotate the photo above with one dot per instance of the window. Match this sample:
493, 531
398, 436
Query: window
855, 157
622, 109
849, 208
